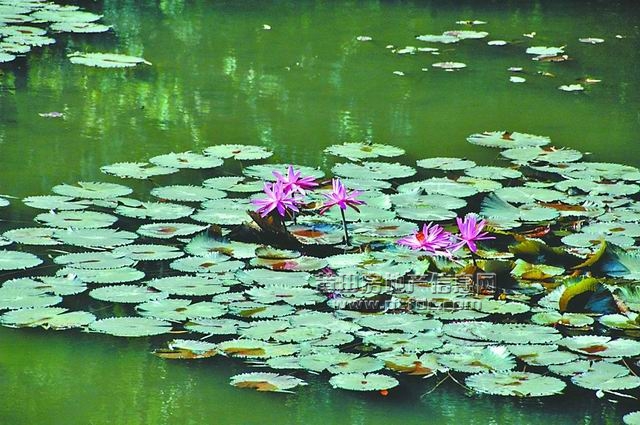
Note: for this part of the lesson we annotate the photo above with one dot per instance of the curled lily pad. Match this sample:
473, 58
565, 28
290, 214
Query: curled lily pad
106, 60
363, 382
187, 193
15, 260
32, 236
239, 152
359, 151
76, 219
136, 170
518, 384
188, 285
374, 170
261, 381
126, 294
507, 139
130, 326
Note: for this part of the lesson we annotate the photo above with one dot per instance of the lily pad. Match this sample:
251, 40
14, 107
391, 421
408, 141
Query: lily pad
239, 152
15, 260
131, 326
359, 151
137, 170
363, 382
186, 160
92, 190
106, 60
507, 139
261, 381
518, 384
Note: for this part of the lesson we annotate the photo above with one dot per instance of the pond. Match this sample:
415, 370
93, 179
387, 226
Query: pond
293, 77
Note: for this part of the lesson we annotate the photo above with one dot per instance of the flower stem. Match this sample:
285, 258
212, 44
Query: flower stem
344, 225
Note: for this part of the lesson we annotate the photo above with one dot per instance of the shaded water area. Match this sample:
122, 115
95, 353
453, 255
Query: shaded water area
219, 77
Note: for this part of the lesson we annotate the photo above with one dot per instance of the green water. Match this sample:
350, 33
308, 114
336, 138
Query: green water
218, 77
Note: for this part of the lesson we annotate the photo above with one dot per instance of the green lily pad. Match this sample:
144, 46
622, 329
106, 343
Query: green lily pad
188, 285
507, 140
54, 202
239, 152
15, 260
32, 236
374, 170
359, 151
106, 60
187, 193
92, 190
363, 382
180, 310
93, 260
119, 275
517, 384
131, 326
76, 219
261, 381
446, 164
137, 170
155, 211
95, 238
168, 230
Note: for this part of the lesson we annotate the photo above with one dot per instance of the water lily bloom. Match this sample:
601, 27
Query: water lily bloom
294, 182
470, 232
341, 197
277, 199
432, 238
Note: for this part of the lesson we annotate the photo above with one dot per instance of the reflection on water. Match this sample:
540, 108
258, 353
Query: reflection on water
219, 77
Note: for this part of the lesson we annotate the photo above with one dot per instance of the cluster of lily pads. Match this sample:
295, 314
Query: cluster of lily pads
33, 23
198, 261
450, 37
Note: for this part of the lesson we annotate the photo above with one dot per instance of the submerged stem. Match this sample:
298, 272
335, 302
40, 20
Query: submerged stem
344, 225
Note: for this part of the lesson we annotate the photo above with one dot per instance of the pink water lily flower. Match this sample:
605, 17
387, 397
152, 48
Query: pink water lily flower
432, 238
470, 232
341, 197
277, 199
294, 182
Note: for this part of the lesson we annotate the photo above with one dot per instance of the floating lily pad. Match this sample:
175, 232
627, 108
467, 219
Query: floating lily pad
65, 15
119, 275
188, 349
106, 60
602, 346
126, 294
261, 381
80, 27
518, 384
363, 382
32, 236
187, 193
15, 297
265, 172
296, 264
374, 170
148, 252
605, 376
507, 140
250, 348
95, 238
169, 230
179, 310
188, 285
212, 263
359, 151
131, 326
446, 164
77, 219
92, 190
15, 260
541, 355
54, 202
186, 160
48, 317
565, 319
489, 359
155, 211
93, 260
239, 152
137, 170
